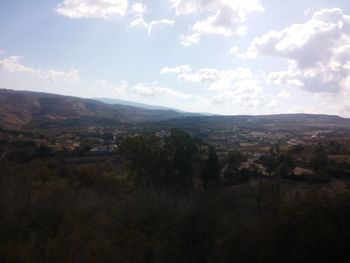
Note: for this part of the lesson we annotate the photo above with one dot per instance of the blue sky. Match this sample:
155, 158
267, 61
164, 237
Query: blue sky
218, 56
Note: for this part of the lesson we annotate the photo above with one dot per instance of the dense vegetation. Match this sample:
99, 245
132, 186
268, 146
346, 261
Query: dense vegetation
171, 199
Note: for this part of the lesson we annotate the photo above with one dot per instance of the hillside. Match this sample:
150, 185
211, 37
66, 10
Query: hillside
271, 122
31, 109
24, 109
134, 104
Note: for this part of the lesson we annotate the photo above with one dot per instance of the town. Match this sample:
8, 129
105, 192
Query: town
255, 144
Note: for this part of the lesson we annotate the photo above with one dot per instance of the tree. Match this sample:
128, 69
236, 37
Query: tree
234, 160
211, 171
182, 158
144, 153
320, 158
233, 172
170, 163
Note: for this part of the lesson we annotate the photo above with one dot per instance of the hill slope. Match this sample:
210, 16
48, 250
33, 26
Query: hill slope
24, 109
272, 122
134, 104
32, 109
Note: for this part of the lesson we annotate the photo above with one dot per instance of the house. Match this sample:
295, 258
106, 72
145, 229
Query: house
298, 171
104, 149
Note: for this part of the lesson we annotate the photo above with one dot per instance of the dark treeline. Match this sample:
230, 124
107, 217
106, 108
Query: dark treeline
171, 200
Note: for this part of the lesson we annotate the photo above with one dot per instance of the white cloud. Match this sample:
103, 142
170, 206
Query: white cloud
93, 8
189, 40
184, 7
12, 64
233, 87
221, 17
120, 88
153, 90
140, 22
342, 108
177, 70
338, 103
139, 8
218, 80
246, 93
71, 75
242, 7
234, 50
123, 89
107, 9
284, 95
208, 26
317, 52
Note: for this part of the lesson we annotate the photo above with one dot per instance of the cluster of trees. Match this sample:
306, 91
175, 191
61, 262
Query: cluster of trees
90, 213
108, 212
313, 157
174, 162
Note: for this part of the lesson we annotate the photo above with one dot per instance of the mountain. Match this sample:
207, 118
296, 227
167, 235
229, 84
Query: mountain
25, 109
151, 107
271, 122
134, 104
20, 109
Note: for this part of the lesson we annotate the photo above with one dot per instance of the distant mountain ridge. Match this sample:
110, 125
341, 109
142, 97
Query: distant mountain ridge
275, 121
20, 109
134, 104
26, 109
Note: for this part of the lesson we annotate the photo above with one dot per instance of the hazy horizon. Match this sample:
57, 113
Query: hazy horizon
247, 57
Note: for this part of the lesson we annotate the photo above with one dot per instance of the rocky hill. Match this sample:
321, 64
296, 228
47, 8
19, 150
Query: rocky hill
20, 109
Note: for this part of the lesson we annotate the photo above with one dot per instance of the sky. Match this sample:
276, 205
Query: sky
216, 56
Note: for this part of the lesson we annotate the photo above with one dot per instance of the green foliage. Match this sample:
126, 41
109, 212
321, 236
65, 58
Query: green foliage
277, 162
146, 210
182, 158
234, 174
169, 163
145, 153
297, 150
211, 171
234, 160
319, 158
72, 219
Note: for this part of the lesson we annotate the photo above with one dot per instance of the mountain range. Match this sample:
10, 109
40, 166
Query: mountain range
135, 104
26, 109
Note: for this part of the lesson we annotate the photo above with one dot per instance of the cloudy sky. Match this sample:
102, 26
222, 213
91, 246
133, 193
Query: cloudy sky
218, 56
